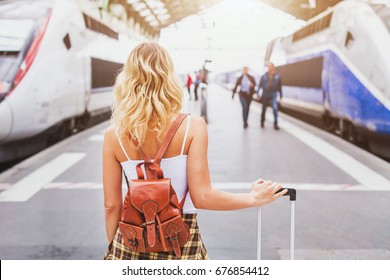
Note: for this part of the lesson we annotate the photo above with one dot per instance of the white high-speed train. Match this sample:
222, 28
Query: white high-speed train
337, 67
57, 68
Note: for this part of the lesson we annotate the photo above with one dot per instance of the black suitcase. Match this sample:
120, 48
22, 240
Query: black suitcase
293, 195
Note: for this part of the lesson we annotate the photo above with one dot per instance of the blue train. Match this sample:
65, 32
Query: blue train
337, 67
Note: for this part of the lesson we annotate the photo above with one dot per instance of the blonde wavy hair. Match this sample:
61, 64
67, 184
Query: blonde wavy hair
146, 93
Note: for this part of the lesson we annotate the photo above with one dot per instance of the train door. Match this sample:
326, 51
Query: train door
73, 40
82, 62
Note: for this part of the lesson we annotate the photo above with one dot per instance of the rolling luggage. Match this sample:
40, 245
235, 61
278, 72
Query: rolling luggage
292, 194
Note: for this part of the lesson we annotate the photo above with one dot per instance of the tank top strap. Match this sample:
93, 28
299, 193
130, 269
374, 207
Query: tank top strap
185, 135
120, 143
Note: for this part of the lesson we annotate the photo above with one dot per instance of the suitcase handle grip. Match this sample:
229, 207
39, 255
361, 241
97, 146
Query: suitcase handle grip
292, 193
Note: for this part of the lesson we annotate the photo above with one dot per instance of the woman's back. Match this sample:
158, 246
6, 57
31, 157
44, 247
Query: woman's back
173, 164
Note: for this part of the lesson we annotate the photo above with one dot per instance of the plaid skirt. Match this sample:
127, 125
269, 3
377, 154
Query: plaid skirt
194, 249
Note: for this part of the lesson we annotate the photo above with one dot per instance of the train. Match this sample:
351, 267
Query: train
58, 61
336, 69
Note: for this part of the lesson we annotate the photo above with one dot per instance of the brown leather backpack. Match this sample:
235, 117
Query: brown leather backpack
151, 214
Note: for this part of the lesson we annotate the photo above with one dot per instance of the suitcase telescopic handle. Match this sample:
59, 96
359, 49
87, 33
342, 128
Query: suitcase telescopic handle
292, 193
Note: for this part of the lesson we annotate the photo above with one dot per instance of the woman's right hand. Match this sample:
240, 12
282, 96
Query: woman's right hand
265, 192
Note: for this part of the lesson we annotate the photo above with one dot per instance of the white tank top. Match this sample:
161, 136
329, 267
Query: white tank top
173, 167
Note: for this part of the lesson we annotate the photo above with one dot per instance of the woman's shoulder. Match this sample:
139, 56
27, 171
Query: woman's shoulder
110, 134
197, 122
198, 126
110, 130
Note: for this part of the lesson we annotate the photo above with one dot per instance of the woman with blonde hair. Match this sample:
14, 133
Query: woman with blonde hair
148, 99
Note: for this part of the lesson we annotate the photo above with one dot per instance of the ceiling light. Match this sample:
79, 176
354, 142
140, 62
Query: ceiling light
160, 11
139, 6
164, 17
154, 23
145, 13
155, 4
150, 17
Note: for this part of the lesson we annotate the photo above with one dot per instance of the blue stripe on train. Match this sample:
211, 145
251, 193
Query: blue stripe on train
347, 97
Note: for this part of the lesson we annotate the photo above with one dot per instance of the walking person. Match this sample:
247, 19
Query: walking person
196, 85
271, 84
247, 85
189, 83
147, 101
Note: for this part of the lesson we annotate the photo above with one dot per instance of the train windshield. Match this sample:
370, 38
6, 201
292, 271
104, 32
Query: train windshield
15, 37
384, 13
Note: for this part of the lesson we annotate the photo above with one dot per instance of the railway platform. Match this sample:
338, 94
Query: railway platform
51, 205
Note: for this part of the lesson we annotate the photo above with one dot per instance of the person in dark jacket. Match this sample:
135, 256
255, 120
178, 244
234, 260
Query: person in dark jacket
271, 84
247, 85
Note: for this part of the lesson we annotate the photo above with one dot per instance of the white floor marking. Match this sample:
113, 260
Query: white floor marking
361, 173
24, 189
70, 185
96, 137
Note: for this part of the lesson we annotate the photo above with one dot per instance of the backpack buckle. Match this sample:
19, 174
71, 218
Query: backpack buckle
173, 238
133, 243
148, 223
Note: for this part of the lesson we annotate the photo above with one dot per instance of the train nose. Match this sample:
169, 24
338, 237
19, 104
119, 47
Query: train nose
5, 120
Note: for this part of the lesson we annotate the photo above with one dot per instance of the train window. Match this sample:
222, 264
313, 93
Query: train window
349, 39
14, 43
99, 27
66, 41
103, 72
306, 73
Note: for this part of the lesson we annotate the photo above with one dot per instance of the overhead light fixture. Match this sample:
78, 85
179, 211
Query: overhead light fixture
145, 13
154, 23
150, 17
155, 4
160, 11
139, 6
164, 17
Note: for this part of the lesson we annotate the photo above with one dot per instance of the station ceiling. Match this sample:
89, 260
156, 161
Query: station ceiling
154, 15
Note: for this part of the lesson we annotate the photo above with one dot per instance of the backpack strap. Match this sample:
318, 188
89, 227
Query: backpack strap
168, 138
181, 203
152, 168
185, 135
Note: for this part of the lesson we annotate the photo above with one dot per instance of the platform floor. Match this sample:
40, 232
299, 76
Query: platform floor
51, 205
